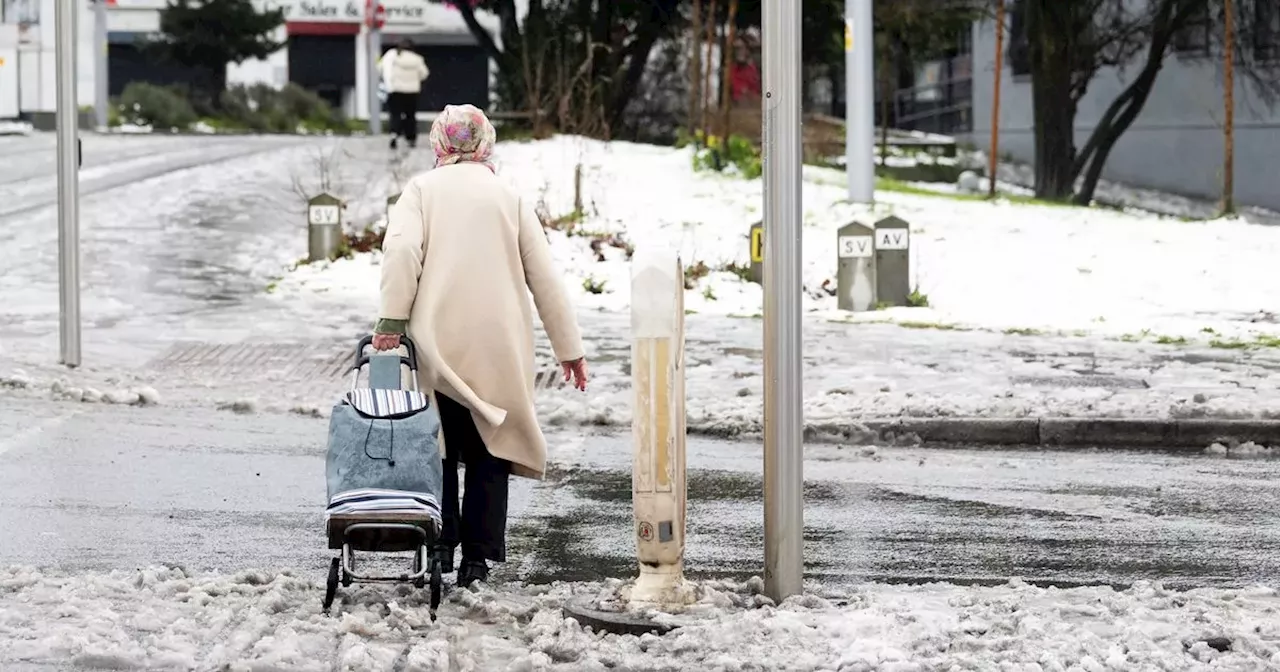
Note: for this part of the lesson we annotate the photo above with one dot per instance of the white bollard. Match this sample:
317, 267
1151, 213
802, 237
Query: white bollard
658, 426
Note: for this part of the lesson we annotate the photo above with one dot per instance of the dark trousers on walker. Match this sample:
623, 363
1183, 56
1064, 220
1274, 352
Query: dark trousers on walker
402, 108
480, 528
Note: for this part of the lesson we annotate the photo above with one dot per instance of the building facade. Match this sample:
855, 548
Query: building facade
1177, 142
325, 51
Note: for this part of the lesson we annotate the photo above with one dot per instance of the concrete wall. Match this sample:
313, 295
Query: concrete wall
1175, 144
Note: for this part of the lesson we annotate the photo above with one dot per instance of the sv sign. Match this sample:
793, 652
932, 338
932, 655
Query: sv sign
855, 247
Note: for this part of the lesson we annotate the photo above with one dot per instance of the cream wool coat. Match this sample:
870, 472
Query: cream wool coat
462, 253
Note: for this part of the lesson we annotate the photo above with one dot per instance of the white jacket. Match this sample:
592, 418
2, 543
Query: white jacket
403, 71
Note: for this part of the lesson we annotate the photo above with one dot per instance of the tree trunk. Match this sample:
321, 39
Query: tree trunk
1051, 96
710, 40
1122, 112
695, 69
726, 90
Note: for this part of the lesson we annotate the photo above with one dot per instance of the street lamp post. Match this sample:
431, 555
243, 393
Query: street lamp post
783, 383
67, 117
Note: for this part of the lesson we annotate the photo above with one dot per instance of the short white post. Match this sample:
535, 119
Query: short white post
658, 425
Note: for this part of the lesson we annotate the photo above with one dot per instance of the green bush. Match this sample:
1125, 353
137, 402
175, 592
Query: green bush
161, 107
308, 108
739, 153
263, 109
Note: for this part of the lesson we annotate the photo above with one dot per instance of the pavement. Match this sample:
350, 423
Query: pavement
95, 488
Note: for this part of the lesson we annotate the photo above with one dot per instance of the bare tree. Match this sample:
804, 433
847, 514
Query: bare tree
1068, 43
323, 175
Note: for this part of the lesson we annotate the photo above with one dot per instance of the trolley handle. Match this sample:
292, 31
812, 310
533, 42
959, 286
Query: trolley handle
405, 342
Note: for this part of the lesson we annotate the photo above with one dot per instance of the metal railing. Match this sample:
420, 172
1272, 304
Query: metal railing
950, 112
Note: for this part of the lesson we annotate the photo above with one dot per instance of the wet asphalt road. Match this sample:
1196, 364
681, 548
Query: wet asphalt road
97, 488
179, 234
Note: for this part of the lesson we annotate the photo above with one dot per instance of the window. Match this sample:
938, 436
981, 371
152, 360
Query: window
1194, 38
1019, 49
1266, 31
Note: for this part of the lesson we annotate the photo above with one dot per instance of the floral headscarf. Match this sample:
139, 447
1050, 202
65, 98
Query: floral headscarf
462, 134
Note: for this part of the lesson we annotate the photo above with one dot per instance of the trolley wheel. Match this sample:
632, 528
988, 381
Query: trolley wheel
437, 587
331, 586
418, 556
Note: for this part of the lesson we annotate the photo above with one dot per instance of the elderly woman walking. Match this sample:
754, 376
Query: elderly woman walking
462, 253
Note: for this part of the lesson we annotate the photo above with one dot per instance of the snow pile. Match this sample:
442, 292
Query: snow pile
169, 619
9, 127
1237, 449
64, 389
992, 265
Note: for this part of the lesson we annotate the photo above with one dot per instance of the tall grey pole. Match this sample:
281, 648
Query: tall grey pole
375, 105
67, 118
101, 93
783, 373
859, 100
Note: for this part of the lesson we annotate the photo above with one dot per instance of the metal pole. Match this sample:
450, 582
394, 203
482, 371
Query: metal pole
375, 105
783, 389
859, 100
67, 118
100, 74
1229, 118
994, 157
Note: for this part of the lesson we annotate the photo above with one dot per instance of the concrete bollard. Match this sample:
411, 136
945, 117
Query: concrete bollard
324, 227
756, 236
855, 267
658, 426
893, 262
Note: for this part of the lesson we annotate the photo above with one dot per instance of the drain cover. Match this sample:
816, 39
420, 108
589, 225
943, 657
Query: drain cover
1099, 381
288, 362
294, 362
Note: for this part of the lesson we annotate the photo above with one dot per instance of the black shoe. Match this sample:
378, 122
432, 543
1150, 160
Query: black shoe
393, 142
444, 556
472, 571
413, 144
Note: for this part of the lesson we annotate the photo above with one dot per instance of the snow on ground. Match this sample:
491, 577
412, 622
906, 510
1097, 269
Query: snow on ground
1002, 265
166, 619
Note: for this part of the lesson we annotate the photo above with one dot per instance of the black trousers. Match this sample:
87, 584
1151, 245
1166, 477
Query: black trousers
480, 528
403, 111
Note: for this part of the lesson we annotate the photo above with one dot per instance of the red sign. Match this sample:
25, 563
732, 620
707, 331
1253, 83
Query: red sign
375, 14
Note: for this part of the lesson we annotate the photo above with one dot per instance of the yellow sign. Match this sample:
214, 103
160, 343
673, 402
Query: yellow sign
848, 36
1, 61
757, 245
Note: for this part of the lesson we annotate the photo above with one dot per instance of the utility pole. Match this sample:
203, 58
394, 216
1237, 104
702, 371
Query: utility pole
101, 98
993, 160
859, 100
783, 366
375, 19
1229, 130
67, 116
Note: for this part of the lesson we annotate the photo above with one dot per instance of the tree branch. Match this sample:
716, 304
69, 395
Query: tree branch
478, 31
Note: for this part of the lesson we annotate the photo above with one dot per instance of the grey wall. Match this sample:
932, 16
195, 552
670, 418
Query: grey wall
1175, 144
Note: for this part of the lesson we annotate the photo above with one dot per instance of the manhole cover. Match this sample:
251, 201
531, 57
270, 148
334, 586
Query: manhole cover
1110, 382
294, 362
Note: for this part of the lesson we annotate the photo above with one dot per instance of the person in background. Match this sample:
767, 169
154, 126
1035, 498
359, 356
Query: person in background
462, 253
403, 71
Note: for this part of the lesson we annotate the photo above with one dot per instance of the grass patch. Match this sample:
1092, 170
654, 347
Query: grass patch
1262, 341
1022, 331
930, 325
1171, 340
897, 186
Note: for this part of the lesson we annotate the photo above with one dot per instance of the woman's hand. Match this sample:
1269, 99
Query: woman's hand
386, 341
577, 370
